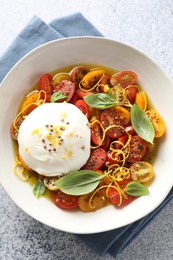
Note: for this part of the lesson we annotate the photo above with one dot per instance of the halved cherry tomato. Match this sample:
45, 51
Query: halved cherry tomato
78, 73
27, 105
115, 197
112, 158
121, 141
83, 107
141, 100
91, 78
112, 117
129, 129
137, 149
67, 88
105, 81
131, 93
46, 85
157, 121
95, 112
124, 78
13, 132
96, 160
65, 201
74, 98
106, 143
98, 201
82, 94
142, 172
96, 133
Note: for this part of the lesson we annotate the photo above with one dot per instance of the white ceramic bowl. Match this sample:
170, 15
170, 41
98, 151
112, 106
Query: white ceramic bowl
85, 50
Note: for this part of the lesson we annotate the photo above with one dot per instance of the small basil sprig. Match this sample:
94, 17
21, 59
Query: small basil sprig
100, 100
142, 124
39, 189
57, 96
135, 188
79, 182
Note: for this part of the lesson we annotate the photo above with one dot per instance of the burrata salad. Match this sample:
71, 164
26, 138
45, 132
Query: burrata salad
86, 137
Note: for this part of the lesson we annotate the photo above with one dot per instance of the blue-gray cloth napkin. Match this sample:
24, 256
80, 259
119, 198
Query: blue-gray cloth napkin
34, 34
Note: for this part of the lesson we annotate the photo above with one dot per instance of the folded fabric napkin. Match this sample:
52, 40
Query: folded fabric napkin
34, 34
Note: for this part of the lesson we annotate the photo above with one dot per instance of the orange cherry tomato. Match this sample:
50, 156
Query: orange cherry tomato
157, 121
141, 100
28, 104
97, 202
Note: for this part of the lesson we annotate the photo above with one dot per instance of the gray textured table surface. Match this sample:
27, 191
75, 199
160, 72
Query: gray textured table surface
146, 24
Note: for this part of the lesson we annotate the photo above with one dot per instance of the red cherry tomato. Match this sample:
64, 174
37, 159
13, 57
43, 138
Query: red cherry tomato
82, 94
78, 73
64, 201
112, 158
46, 85
138, 148
96, 133
13, 132
129, 129
83, 107
96, 160
124, 78
123, 139
74, 98
111, 116
67, 88
115, 197
106, 143
131, 93
105, 81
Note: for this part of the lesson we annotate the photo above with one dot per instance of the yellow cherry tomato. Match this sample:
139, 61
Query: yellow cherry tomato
91, 78
157, 121
142, 172
141, 100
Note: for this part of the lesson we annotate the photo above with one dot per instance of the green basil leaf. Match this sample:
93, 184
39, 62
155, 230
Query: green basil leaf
135, 188
39, 189
142, 124
57, 96
100, 100
79, 182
